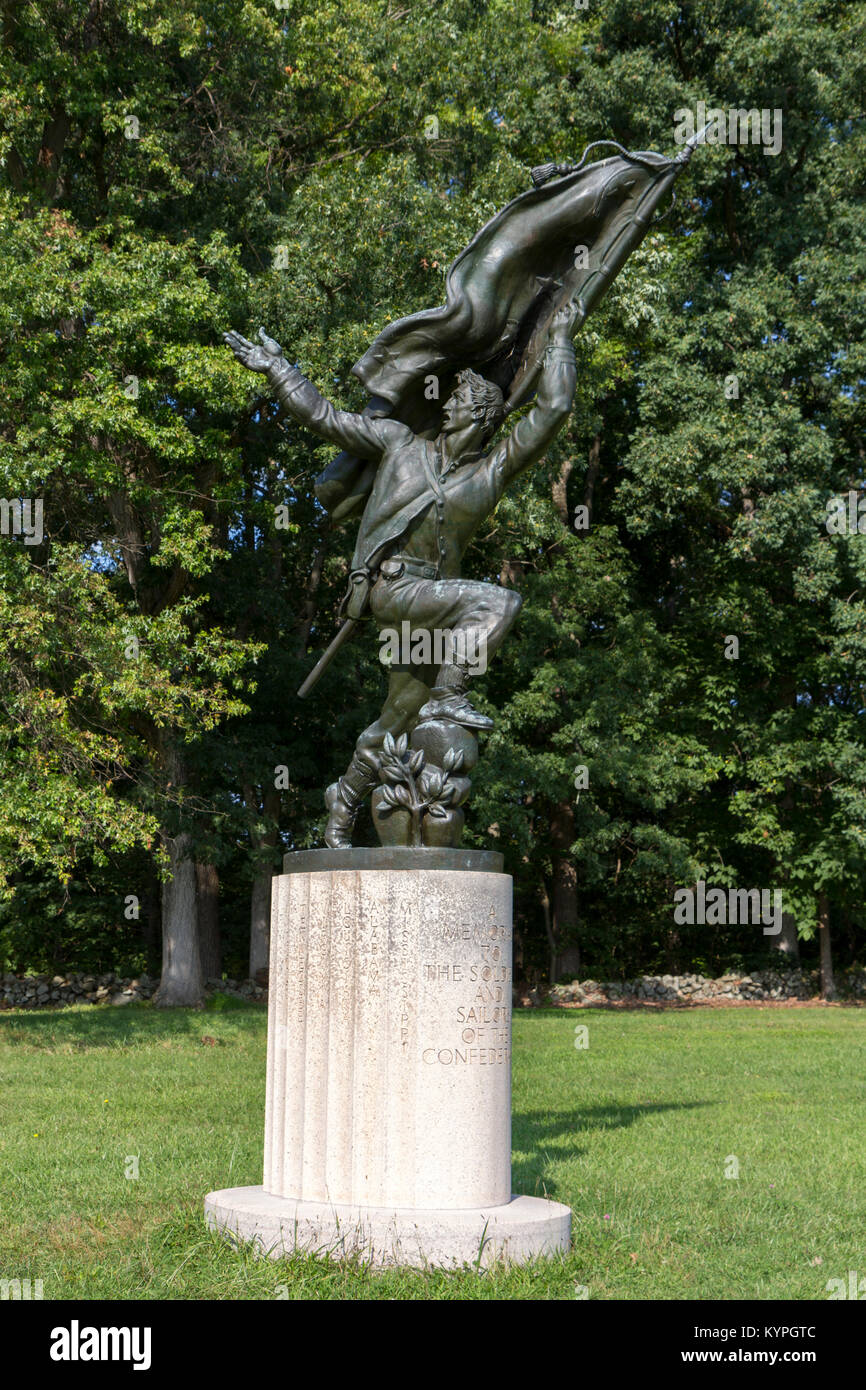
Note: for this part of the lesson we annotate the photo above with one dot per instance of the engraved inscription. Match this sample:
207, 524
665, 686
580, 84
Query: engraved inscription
482, 1013
481, 1056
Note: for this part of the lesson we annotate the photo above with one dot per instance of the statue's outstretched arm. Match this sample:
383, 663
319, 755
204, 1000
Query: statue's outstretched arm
362, 435
529, 440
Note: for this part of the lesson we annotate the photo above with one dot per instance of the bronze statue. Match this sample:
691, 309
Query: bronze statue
424, 476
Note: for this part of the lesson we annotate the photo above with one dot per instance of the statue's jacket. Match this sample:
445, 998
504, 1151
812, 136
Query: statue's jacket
407, 481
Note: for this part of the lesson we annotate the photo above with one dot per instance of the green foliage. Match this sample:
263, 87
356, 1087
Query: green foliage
88, 927
315, 169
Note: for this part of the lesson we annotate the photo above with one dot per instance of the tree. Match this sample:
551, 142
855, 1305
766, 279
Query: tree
147, 203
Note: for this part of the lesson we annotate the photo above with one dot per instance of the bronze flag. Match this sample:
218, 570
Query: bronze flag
564, 240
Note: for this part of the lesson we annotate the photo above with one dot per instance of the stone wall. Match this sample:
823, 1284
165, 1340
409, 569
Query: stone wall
698, 989
37, 991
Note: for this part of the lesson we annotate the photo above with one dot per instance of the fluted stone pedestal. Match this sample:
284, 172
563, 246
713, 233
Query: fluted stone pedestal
388, 1110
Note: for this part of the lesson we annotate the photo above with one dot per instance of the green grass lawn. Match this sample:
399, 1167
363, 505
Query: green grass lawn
634, 1132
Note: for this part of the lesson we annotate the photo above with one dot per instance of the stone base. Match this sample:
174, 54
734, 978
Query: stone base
519, 1231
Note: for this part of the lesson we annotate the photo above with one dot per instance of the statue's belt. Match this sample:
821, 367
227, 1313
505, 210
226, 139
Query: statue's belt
357, 595
396, 565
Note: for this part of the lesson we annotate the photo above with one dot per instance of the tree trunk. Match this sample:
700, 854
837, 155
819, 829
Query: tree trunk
566, 958
545, 907
207, 882
260, 897
787, 942
672, 951
559, 491
260, 920
828, 987
592, 468
310, 606
181, 983
151, 917
568, 962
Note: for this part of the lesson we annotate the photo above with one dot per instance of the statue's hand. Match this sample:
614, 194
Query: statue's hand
258, 359
563, 323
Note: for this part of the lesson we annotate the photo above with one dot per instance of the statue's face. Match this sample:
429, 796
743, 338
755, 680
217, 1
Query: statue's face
458, 410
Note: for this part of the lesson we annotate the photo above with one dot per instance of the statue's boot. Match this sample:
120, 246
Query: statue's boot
344, 799
450, 701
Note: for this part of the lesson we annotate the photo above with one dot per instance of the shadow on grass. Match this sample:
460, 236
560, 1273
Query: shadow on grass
110, 1026
543, 1138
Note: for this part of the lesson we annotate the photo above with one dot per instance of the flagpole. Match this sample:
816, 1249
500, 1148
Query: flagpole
597, 283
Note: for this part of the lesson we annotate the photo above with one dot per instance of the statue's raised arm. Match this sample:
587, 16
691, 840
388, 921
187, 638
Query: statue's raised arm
531, 437
364, 435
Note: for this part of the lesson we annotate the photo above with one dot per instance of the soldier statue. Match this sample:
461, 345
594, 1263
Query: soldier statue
424, 476
427, 502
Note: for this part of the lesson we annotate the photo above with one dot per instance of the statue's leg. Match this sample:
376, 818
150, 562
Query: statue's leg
479, 617
408, 688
